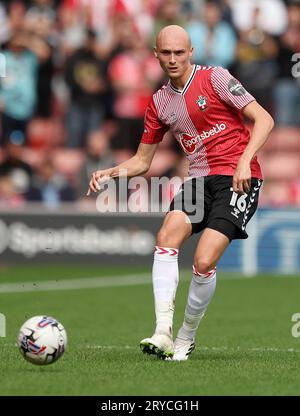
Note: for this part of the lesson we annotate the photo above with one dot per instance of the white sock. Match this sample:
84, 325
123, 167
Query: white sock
201, 291
165, 276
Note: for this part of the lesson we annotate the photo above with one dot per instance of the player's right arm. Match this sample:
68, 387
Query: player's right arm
140, 163
137, 165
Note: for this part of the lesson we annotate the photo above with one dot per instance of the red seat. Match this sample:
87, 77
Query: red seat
34, 157
275, 193
280, 166
45, 133
68, 161
283, 139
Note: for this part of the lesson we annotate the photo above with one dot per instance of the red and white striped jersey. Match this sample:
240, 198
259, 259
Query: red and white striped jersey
205, 118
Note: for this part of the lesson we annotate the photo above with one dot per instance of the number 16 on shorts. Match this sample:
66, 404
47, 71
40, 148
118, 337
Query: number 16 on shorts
238, 202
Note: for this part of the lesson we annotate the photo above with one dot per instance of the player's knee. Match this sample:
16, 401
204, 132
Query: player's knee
164, 238
203, 265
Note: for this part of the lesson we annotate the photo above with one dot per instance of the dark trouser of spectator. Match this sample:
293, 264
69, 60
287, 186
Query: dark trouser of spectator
258, 77
81, 121
129, 133
13, 129
287, 102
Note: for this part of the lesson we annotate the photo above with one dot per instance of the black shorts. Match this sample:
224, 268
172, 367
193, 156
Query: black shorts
223, 209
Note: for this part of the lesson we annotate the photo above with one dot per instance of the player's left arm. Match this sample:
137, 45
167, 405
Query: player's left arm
230, 90
263, 124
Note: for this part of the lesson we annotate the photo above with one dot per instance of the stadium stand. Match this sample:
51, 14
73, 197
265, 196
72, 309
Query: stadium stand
57, 31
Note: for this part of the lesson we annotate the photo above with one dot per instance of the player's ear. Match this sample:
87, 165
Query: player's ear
191, 51
155, 52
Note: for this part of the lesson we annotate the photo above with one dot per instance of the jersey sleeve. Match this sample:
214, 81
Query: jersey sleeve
154, 129
229, 89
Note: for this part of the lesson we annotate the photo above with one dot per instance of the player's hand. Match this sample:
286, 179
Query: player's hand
242, 178
98, 177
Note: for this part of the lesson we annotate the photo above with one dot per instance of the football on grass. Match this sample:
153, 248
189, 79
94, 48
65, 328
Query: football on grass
42, 340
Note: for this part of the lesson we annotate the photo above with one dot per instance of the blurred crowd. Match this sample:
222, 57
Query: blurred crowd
76, 77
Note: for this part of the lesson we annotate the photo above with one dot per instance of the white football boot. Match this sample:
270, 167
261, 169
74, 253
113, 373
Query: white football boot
182, 349
159, 344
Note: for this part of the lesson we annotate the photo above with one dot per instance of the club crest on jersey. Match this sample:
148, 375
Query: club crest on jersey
202, 102
189, 143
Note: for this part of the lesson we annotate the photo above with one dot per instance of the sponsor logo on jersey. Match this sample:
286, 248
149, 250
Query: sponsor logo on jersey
189, 143
202, 102
236, 88
215, 130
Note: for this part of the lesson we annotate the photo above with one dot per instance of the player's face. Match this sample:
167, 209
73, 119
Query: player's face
174, 58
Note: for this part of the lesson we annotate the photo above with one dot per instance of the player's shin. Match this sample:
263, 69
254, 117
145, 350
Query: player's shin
165, 276
201, 291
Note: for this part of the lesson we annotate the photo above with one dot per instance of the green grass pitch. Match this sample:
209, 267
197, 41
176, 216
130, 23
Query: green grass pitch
244, 344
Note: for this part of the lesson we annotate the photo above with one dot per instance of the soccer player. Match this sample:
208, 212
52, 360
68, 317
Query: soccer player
204, 109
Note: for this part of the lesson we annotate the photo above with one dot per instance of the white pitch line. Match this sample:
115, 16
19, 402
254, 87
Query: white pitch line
200, 348
75, 284
87, 283
82, 283
203, 348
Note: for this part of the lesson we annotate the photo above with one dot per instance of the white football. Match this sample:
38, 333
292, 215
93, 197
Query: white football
42, 340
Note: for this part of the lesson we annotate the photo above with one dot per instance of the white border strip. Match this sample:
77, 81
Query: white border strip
98, 282
198, 348
75, 284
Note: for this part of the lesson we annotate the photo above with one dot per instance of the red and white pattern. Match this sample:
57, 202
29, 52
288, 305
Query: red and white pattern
220, 79
208, 274
165, 250
205, 118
